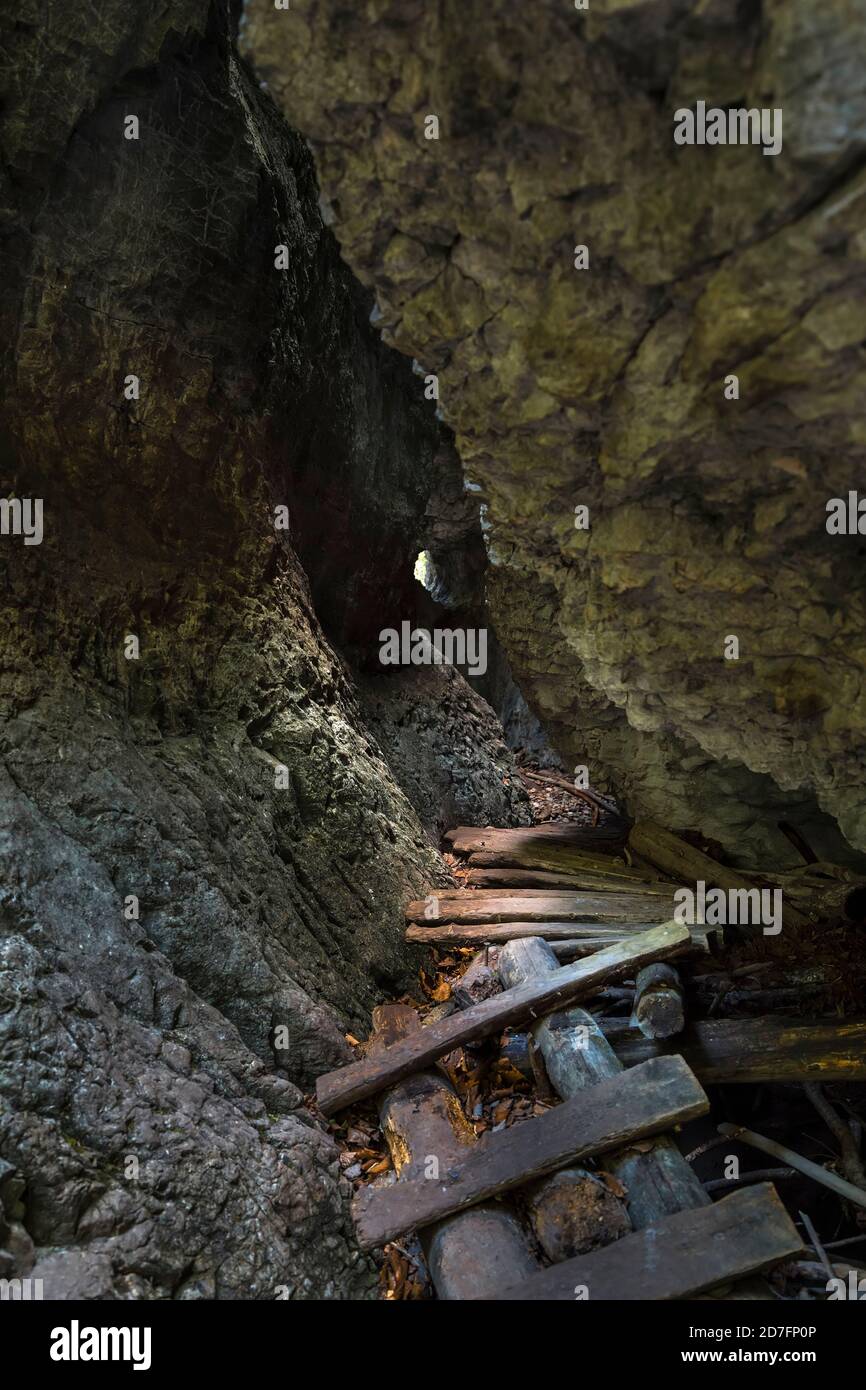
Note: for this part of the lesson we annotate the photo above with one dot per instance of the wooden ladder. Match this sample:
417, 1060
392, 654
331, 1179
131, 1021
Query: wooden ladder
614, 919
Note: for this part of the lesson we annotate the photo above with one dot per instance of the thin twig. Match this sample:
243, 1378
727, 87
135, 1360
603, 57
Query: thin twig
816, 1244
852, 1165
849, 1240
705, 1148
555, 780
756, 1175
803, 1165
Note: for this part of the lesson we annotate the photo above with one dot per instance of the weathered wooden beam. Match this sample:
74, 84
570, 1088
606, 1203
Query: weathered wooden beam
574, 1211
552, 858
821, 890
656, 1177
684, 1255
748, 1050
480, 1251
571, 1211
493, 933
563, 835
602, 882
674, 856
355, 1082
575, 939
658, 1001
532, 905
628, 1107
702, 942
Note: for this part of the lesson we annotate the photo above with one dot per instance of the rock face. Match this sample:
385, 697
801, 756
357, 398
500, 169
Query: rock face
605, 387
205, 856
445, 748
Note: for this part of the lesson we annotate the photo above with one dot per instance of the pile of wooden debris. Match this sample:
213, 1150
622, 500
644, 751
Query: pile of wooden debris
520, 1127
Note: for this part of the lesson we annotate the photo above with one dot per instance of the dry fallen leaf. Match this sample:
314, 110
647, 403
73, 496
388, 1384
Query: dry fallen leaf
373, 1169
613, 1184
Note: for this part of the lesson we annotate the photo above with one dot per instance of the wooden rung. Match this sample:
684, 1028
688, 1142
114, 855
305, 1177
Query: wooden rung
555, 892
633, 1105
337, 1089
450, 933
481, 1250
579, 938
465, 838
549, 857
681, 1256
534, 906
596, 880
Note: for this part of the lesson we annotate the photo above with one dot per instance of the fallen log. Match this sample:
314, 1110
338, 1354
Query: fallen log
656, 1177
748, 1050
674, 856
561, 859
493, 933
619, 890
571, 1211
684, 1255
479, 981
658, 1001
532, 906
355, 1082
576, 939
547, 878
478, 1252
625, 1108
821, 890
560, 836
575, 1211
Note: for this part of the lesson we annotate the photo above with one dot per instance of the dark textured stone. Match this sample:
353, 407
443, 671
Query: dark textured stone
152, 1122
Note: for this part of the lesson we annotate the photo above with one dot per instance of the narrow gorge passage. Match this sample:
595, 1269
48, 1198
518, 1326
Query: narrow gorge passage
433, 835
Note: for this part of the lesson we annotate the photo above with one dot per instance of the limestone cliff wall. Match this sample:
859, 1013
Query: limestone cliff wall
605, 387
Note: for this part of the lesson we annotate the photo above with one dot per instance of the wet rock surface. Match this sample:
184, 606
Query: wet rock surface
606, 387
205, 856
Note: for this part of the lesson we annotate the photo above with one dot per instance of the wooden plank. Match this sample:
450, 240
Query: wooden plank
542, 895
570, 1211
559, 835
602, 882
531, 906
658, 1001
656, 1178
682, 1256
576, 939
631, 1106
474, 1254
355, 1082
674, 856
750, 1050
562, 859
702, 940
451, 933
